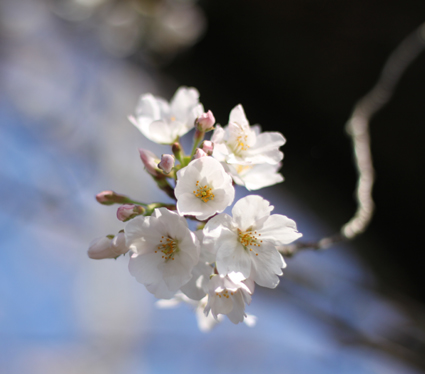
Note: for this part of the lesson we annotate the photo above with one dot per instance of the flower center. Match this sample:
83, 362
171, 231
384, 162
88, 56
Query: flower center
249, 239
168, 247
203, 192
224, 293
242, 169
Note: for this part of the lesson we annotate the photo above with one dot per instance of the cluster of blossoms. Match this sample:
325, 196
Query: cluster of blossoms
214, 268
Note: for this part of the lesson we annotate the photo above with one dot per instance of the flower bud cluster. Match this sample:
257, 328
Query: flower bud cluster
216, 267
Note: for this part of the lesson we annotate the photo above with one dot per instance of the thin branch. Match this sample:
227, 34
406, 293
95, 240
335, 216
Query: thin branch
358, 129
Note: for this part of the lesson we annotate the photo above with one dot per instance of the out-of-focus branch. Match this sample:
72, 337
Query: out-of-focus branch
358, 129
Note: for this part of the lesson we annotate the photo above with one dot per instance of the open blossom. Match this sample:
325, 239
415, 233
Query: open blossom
228, 296
165, 251
256, 176
203, 188
162, 122
246, 243
239, 143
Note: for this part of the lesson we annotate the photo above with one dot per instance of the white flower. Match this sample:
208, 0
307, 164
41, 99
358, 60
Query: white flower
256, 176
226, 296
162, 122
247, 242
238, 143
203, 188
165, 251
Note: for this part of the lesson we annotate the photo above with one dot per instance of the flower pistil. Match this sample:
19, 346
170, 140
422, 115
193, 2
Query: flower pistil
168, 247
249, 239
203, 192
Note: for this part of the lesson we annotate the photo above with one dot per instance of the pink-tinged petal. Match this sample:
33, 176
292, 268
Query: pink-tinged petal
145, 267
205, 121
167, 163
208, 147
251, 211
279, 230
238, 116
267, 266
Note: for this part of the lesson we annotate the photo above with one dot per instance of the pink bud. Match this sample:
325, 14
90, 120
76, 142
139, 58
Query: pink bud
106, 247
199, 153
205, 122
111, 197
150, 161
128, 211
208, 147
167, 163
105, 197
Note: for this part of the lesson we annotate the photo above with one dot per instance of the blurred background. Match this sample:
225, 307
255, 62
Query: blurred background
70, 73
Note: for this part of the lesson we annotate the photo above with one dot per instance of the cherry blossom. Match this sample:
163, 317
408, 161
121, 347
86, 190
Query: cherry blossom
165, 251
164, 122
203, 188
239, 143
246, 242
227, 296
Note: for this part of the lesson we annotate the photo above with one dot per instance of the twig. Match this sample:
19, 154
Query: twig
358, 128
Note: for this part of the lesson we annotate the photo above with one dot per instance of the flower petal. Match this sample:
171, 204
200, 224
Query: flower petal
279, 230
251, 211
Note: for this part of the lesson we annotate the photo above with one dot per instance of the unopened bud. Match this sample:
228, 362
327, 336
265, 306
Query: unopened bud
177, 151
199, 153
208, 147
107, 247
205, 122
111, 197
150, 161
167, 163
128, 211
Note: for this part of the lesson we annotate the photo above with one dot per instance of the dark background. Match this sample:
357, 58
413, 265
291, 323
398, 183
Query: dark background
298, 67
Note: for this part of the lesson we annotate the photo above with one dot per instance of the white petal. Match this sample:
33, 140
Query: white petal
176, 272
145, 268
237, 115
267, 266
160, 290
231, 255
279, 230
237, 314
161, 132
266, 149
251, 211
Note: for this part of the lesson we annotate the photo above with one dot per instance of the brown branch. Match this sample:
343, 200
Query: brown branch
358, 129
